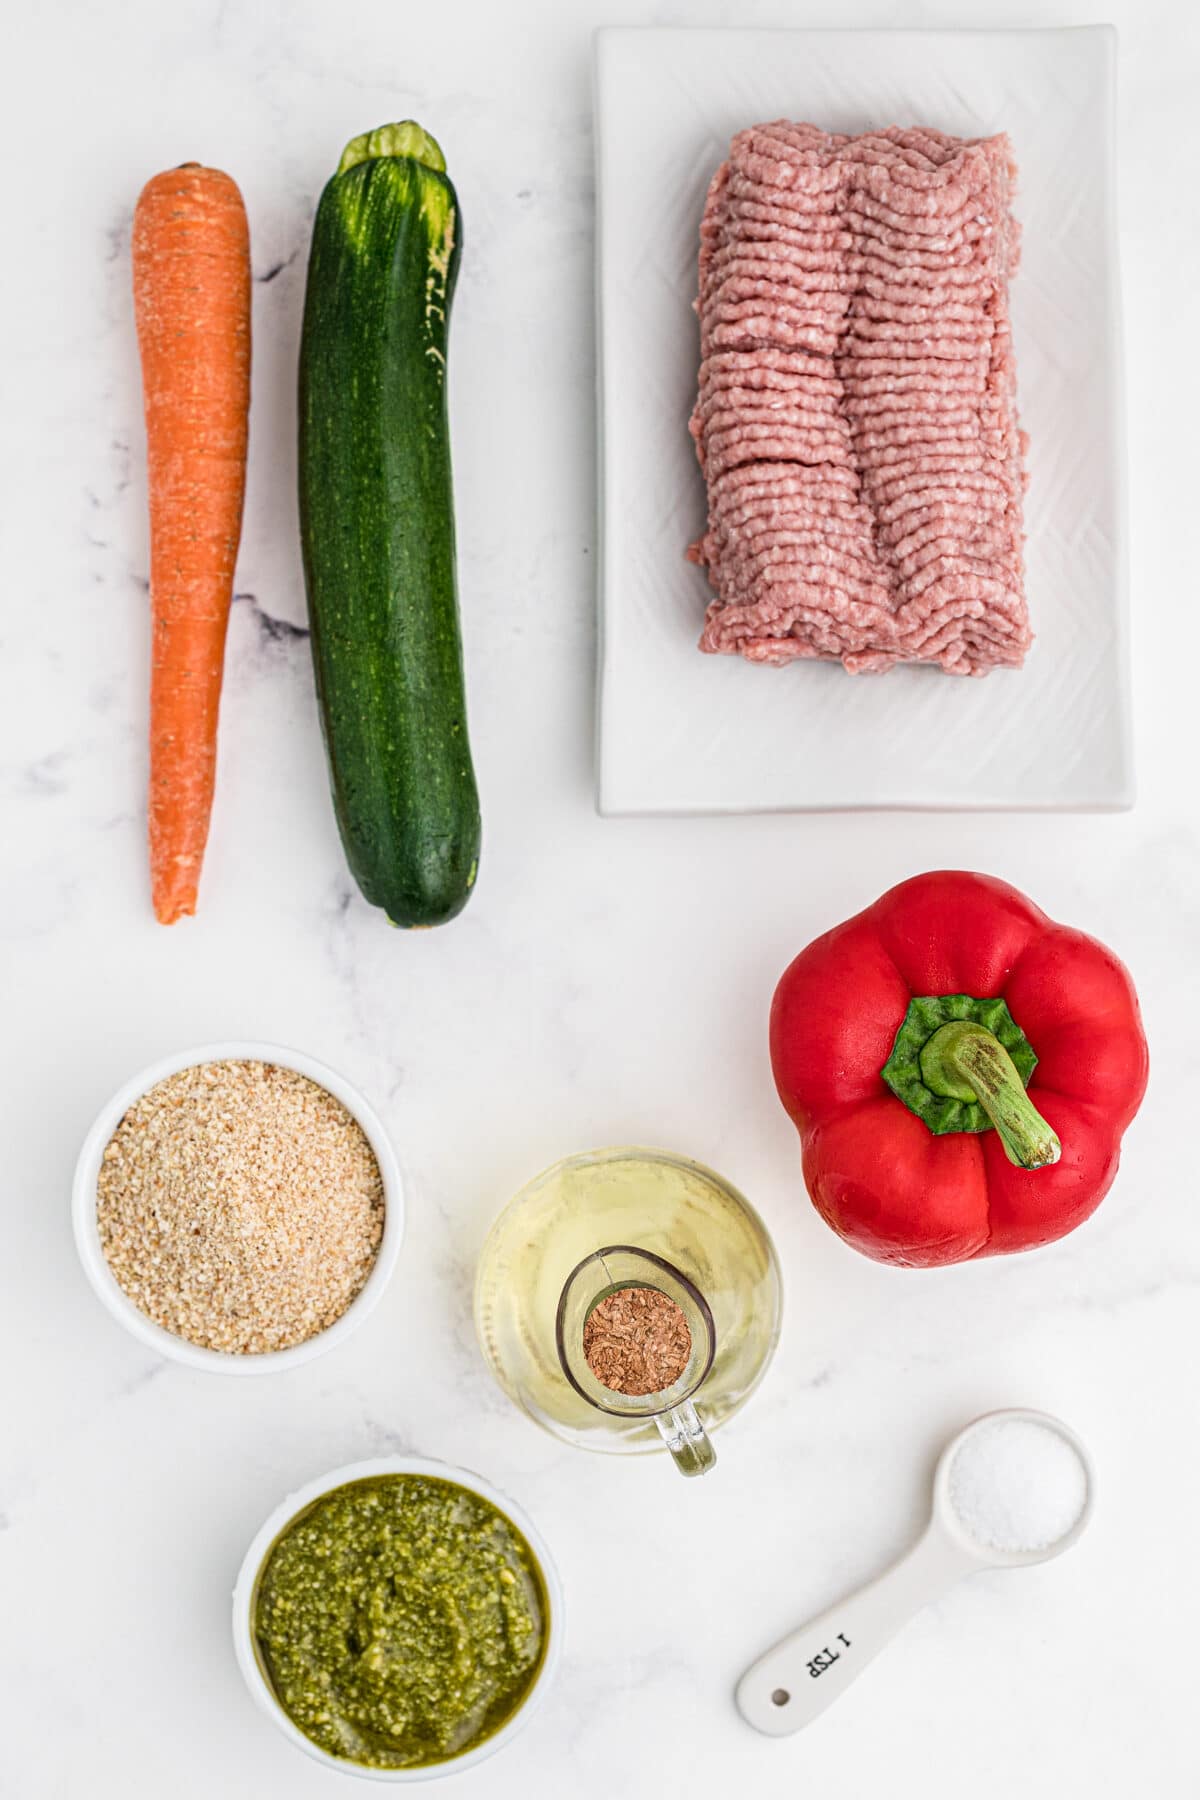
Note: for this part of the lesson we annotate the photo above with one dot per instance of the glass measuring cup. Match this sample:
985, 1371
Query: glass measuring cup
608, 1271
628, 1217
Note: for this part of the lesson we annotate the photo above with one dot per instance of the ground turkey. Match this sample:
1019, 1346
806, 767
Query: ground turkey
856, 416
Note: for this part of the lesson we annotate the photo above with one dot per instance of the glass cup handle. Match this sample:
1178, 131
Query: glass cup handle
684, 1435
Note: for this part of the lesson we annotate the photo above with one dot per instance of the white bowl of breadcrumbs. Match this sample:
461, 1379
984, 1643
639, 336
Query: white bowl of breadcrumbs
238, 1207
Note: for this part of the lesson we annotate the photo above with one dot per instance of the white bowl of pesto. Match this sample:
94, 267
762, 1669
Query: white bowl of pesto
398, 1563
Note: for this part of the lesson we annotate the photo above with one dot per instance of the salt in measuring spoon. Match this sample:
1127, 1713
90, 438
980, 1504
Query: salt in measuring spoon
803, 1674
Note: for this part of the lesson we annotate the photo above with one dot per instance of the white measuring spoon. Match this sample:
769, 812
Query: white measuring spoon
787, 1688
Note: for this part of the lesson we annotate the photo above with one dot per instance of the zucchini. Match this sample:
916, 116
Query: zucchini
377, 525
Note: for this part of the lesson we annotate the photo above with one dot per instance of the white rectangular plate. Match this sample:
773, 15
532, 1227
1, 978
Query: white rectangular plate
682, 732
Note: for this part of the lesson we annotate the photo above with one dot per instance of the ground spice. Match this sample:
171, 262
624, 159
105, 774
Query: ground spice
637, 1341
240, 1206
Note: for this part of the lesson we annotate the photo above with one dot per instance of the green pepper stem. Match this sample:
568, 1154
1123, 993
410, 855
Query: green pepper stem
965, 1061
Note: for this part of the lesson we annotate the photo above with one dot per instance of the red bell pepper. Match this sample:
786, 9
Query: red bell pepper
960, 1069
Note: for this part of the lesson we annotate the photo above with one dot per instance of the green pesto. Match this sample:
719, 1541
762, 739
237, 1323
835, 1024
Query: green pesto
400, 1621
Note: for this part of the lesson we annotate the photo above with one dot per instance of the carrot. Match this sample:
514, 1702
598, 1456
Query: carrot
191, 289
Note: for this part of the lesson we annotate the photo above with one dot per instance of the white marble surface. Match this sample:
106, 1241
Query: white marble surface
609, 982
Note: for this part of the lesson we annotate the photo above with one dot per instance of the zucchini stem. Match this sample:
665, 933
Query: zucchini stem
405, 139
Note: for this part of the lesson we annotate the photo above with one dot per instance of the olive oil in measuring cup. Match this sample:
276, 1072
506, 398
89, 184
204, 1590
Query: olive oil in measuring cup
595, 1226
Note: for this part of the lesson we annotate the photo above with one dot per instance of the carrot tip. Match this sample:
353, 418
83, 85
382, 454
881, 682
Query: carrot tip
167, 912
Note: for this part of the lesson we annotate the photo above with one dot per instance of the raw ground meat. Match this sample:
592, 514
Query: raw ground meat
856, 417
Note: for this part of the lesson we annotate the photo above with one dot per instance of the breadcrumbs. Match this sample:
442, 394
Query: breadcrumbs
240, 1206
